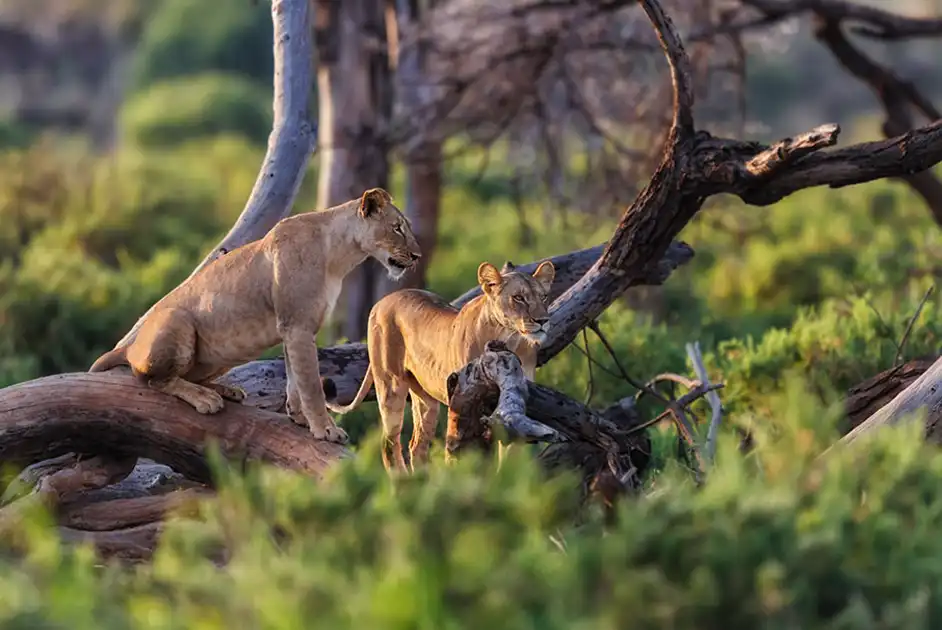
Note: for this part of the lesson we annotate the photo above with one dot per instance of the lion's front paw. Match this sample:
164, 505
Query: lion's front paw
329, 432
206, 401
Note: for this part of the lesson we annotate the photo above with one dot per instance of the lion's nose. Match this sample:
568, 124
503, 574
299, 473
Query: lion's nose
542, 321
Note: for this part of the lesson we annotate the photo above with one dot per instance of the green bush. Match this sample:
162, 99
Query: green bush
180, 110
185, 37
801, 546
87, 244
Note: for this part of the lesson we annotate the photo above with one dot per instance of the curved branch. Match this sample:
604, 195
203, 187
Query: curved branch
290, 144
877, 23
679, 64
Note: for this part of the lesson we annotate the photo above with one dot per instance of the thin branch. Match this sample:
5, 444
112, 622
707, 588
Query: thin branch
716, 406
909, 326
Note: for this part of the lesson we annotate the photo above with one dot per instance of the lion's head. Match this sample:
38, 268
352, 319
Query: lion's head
389, 237
518, 299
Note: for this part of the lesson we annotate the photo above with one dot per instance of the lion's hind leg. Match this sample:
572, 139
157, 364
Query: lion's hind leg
424, 420
391, 396
162, 354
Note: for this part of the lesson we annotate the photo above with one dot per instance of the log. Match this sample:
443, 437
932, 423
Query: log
868, 397
499, 368
111, 413
924, 393
118, 514
131, 545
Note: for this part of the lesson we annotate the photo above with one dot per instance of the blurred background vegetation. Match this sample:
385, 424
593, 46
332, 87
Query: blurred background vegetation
131, 132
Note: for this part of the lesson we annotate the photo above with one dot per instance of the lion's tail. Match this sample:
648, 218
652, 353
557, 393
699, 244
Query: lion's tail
110, 359
364, 389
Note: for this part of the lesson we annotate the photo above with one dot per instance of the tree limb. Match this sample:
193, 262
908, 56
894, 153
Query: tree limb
876, 23
897, 97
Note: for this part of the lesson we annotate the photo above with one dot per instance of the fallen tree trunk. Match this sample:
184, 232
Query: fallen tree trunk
132, 544
923, 393
110, 413
100, 516
869, 396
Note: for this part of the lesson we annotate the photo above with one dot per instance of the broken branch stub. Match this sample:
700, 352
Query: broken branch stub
472, 419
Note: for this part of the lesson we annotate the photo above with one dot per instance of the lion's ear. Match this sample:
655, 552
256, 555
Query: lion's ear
372, 201
489, 278
544, 274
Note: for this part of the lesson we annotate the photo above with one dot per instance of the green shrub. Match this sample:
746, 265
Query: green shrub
185, 37
839, 546
180, 110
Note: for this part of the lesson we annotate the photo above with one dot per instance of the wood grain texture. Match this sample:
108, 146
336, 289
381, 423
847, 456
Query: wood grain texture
111, 413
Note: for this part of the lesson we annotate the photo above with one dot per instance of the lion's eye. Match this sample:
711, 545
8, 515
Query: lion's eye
518, 299
398, 230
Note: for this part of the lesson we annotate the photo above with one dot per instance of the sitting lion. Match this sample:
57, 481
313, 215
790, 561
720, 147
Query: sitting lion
277, 289
416, 339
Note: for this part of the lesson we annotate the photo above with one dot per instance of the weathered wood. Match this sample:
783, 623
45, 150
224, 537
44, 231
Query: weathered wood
133, 544
110, 413
868, 397
496, 374
290, 144
123, 513
924, 393
487, 392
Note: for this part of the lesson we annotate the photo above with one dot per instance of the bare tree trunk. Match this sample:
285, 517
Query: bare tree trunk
423, 158
355, 98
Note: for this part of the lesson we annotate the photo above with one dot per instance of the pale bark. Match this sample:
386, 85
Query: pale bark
924, 395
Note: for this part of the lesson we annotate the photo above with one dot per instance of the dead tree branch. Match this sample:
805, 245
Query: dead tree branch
898, 97
498, 369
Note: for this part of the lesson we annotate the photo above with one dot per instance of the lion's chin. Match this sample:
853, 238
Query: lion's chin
537, 338
395, 273
394, 268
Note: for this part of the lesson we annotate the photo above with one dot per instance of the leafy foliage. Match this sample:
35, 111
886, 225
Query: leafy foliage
183, 110
184, 37
838, 546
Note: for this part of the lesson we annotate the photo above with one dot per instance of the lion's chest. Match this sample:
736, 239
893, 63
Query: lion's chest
332, 290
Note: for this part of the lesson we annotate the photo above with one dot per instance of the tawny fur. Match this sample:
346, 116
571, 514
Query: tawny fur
416, 339
279, 289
